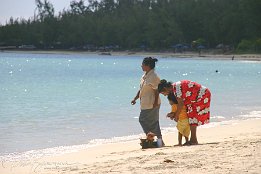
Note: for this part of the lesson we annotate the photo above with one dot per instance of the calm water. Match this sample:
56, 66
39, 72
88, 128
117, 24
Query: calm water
50, 100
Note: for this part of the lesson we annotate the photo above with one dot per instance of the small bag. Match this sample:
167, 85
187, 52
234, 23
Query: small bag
145, 144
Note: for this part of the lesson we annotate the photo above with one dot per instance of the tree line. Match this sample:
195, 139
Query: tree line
139, 24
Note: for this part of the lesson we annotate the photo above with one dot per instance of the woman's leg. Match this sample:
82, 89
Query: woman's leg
156, 126
143, 119
149, 121
193, 137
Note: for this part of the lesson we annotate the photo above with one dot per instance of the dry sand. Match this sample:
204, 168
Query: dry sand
227, 148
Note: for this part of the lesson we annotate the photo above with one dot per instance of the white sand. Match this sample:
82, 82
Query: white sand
228, 148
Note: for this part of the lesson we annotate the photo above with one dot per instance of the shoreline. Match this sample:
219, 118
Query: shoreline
237, 143
203, 55
65, 149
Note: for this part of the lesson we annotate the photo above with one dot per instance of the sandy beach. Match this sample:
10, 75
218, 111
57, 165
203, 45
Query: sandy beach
203, 55
231, 147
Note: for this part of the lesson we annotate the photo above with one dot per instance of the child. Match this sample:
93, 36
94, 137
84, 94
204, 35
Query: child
182, 120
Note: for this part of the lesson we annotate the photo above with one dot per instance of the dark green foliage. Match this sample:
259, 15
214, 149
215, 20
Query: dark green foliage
249, 46
140, 24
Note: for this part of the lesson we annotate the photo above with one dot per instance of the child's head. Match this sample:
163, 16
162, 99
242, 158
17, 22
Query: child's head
172, 99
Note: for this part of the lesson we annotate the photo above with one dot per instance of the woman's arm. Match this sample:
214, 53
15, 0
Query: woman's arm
179, 108
133, 102
156, 93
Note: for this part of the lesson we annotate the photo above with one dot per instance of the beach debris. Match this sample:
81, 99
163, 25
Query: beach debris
168, 161
160, 153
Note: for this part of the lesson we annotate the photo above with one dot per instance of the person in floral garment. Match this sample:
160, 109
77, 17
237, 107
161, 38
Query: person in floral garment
195, 97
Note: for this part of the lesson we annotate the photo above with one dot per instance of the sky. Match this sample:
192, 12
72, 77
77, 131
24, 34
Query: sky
25, 8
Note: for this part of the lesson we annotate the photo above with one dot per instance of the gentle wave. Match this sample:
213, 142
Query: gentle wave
252, 114
65, 149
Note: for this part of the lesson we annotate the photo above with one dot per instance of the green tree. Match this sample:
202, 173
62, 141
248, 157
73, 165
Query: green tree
45, 9
135, 24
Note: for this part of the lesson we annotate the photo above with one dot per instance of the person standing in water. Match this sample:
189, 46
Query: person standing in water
149, 99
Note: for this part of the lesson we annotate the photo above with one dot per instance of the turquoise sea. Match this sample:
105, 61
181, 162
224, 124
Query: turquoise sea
54, 103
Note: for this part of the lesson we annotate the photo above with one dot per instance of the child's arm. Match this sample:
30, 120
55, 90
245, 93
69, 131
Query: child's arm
179, 108
171, 115
176, 118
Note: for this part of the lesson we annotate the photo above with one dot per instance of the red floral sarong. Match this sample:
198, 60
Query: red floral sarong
196, 98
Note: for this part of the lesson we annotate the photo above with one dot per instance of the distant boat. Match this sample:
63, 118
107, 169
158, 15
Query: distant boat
105, 53
27, 47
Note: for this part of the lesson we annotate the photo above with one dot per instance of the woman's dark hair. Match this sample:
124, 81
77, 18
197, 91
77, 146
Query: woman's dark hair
172, 98
164, 84
149, 61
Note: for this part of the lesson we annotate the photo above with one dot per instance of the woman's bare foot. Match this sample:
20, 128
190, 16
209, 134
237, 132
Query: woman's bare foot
186, 144
193, 138
193, 143
177, 145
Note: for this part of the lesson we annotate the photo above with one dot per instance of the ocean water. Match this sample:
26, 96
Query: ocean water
63, 102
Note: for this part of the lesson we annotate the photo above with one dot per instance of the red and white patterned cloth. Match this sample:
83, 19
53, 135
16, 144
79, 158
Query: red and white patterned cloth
196, 98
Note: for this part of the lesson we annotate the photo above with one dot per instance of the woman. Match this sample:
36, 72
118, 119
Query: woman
149, 99
196, 99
